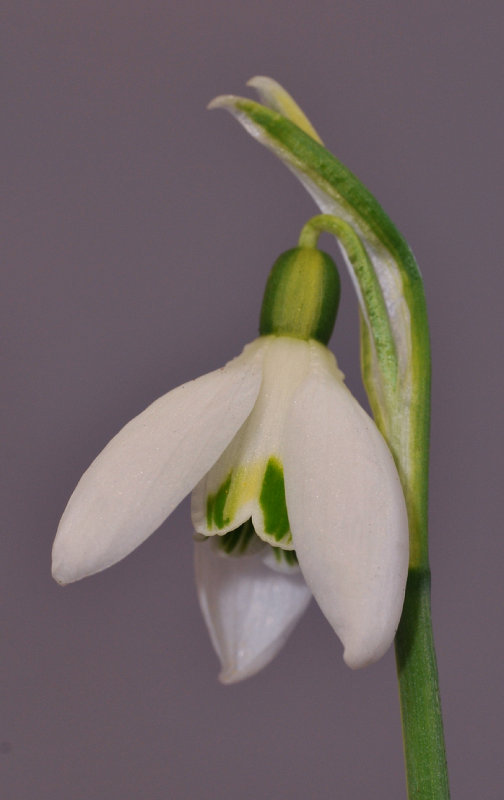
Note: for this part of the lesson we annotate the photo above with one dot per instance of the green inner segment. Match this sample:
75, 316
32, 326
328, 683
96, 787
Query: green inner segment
236, 542
216, 504
289, 557
272, 501
239, 541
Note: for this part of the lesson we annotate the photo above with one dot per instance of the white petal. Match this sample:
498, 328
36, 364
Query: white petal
249, 609
151, 465
347, 515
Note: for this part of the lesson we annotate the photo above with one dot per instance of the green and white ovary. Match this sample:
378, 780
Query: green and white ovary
247, 481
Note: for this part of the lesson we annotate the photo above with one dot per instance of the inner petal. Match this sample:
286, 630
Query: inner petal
244, 542
247, 481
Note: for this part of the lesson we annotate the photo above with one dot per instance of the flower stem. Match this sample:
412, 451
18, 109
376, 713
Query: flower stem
417, 673
422, 724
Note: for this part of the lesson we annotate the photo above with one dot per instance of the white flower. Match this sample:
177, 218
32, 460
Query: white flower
274, 436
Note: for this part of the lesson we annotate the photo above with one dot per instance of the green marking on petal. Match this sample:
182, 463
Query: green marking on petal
210, 510
229, 541
237, 542
272, 501
216, 504
246, 535
288, 556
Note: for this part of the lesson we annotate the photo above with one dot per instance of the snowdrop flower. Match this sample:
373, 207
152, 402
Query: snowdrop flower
294, 490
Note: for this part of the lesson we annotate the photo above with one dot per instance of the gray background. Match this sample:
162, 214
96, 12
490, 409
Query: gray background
140, 230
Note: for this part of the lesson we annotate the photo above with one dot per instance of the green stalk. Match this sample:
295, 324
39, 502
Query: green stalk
417, 672
422, 725
395, 362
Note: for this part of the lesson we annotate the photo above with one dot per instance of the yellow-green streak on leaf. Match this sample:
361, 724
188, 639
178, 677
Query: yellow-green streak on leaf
274, 96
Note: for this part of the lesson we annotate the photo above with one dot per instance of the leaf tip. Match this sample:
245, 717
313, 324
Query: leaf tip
261, 83
226, 101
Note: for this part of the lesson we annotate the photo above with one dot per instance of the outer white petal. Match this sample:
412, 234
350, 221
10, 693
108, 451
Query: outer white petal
347, 515
152, 463
249, 609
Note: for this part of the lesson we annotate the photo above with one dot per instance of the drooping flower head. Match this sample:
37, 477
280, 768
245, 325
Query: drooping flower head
294, 490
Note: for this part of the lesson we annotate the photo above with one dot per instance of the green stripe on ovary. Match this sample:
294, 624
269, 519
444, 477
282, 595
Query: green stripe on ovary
272, 502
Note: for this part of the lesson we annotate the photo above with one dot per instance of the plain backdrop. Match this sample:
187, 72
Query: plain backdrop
139, 231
